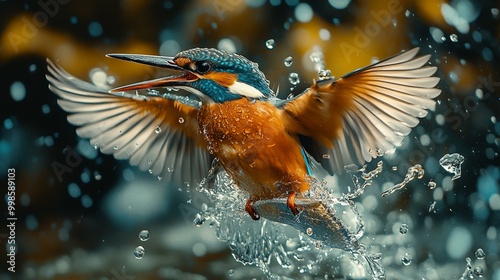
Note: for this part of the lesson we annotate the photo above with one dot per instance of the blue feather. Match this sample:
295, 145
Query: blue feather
306, 160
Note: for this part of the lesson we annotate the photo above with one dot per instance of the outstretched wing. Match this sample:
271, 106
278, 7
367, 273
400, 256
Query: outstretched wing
156, 134
364, 114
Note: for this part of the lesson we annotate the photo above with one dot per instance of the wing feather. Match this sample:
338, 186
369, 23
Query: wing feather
364, 114
144, 130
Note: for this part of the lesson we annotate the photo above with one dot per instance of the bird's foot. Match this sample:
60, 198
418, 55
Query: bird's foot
249, 208
290, 202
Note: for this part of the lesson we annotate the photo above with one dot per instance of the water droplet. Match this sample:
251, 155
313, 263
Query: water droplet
298, 257
454, 38
270, 44
431, 207
394, 168
326, 156
432, 185
406, 259
478, 271
309, 231
294, 78
97, 176
139, 252
324, 74
403, 229
288, 61
115, 148
377, 256
420, 173
204, 207
416, 169
157, 129
198, 220
181, 120
230, 272
150, 171
480, 254
144, 235
453, 164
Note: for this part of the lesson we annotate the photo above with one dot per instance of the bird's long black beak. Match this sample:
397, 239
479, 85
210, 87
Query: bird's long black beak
166, 62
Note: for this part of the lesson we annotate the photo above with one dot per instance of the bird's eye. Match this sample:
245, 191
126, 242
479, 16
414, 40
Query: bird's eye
203, 67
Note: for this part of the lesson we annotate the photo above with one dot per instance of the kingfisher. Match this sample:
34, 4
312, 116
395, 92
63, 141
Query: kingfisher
218, 111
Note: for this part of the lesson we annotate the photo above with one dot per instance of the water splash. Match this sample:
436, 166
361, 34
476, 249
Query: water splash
412, 171
309, 249
363, 180
453, 164
471, 273
468, 273
318, 60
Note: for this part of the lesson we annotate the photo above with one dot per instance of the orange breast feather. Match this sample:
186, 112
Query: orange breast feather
253, 146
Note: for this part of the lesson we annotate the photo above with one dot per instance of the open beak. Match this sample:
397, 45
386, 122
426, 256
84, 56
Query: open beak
158, 61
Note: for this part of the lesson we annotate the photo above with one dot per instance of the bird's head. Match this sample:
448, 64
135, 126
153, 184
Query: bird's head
212, 75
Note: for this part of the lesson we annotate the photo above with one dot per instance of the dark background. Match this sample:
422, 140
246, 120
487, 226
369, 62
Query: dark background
90, 231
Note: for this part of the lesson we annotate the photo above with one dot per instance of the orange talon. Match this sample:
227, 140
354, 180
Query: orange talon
290, 202
249, 208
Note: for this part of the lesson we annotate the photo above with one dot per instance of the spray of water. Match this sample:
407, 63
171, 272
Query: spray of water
287, 245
